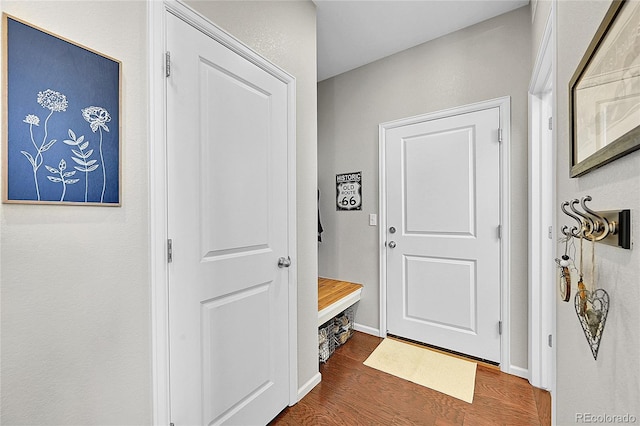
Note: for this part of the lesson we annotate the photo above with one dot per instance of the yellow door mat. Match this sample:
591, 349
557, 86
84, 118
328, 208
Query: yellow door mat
449, 375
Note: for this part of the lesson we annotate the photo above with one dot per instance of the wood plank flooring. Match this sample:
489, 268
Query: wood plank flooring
353, 394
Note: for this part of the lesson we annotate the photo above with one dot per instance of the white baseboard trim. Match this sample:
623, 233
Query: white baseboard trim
366, 329
519, 371
311, 383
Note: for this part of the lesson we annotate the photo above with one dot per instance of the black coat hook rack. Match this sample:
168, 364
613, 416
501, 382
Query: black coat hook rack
611, 227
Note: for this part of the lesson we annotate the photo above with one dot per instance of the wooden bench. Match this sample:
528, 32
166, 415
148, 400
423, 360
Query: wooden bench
334, 296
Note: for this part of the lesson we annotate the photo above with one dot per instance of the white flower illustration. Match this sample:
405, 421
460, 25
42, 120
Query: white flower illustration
60, 171
32, 119
82, 158
52, 100
96, 117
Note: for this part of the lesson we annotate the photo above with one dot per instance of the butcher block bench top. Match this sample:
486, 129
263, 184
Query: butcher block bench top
334, 296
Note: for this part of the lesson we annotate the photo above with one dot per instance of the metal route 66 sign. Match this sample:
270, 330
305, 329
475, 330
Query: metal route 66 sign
349, 191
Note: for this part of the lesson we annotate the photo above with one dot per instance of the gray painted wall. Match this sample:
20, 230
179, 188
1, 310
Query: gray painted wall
610, 385
540, 12
75, 280
285, 33
486, 61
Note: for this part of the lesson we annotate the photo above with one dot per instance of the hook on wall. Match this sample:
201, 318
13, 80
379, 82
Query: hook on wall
610, 227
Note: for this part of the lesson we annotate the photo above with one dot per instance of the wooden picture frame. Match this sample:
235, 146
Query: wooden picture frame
604, 92
61, 120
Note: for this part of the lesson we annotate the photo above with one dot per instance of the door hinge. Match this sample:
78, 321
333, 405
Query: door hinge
500, 327
167, 63
171, 424
550, 341
550, 235
550, 123
169, 250
499, 231
500, 135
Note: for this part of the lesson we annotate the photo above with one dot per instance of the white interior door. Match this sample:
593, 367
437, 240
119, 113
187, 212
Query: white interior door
443, 244
228, 221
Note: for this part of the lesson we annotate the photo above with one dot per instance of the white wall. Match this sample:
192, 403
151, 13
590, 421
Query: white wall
610, 385
285, 33
486, 61
75, 280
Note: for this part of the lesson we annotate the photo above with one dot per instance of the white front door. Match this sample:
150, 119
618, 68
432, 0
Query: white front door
227, 155
443, 248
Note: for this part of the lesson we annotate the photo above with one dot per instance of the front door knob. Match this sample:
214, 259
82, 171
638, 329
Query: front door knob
392, 244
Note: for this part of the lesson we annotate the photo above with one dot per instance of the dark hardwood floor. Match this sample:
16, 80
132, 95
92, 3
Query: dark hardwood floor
353, 394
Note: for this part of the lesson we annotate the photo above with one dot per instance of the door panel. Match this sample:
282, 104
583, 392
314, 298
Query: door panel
452, 168
242, 355
443, 197
425, 301
227, 161
236, 214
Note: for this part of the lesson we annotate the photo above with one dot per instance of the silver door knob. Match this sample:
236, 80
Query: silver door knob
284, 262
392, 244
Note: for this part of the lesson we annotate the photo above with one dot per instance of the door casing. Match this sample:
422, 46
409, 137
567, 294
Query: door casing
504, 105
158, 202
542, 203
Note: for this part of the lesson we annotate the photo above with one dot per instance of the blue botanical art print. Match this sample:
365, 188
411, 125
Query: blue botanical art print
63, 113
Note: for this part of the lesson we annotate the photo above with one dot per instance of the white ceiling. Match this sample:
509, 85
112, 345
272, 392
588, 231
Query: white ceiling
352, 33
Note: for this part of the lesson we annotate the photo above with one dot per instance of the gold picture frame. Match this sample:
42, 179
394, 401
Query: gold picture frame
604, 92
